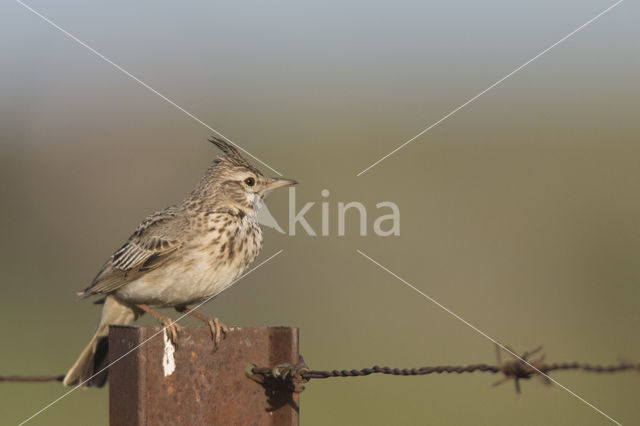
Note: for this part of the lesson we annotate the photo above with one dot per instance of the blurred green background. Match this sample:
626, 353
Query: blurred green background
520, 213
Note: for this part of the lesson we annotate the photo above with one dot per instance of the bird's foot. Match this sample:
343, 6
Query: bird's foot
169, 324
219, 331
172, 328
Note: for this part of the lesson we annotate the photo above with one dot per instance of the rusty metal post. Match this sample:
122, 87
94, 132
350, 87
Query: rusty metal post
194, 385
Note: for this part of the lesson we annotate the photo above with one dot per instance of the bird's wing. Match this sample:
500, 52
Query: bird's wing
151, 244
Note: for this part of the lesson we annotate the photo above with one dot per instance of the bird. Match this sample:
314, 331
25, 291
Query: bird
185, 254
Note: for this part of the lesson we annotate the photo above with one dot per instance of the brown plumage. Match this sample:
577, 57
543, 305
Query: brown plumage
181, 255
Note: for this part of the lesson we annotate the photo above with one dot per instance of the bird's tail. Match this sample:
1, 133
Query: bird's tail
94, 357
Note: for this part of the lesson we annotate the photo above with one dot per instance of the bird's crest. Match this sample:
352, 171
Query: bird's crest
230, 153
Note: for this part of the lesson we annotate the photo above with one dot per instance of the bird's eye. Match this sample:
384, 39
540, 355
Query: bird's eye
250, 181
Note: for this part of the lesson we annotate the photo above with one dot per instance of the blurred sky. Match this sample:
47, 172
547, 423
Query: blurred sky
520, 212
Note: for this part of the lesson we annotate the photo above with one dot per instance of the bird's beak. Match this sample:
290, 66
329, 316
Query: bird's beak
278, 183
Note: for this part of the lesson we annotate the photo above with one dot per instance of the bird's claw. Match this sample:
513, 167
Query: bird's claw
219, 331
172, 329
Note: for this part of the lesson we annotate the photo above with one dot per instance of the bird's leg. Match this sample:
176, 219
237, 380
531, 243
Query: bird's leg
218, 329
170, 325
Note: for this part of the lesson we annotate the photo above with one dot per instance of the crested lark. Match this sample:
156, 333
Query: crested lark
181, 255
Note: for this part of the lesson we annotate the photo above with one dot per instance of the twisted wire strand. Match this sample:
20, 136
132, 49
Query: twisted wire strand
32, 379
322, 374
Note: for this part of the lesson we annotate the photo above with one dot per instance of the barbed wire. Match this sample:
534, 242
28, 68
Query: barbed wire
295, 376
